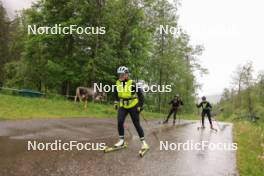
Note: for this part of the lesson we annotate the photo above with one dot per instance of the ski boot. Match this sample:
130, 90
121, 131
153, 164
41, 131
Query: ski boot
144, 149
165, 121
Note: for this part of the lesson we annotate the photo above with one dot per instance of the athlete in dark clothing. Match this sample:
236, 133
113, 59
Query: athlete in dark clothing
175, 105
206, 110
129, 99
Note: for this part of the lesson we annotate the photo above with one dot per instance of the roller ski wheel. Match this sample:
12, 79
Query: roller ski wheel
112, 149
213, 129
165, 122
142, 152
200, 128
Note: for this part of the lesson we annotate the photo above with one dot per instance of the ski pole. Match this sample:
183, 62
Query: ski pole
198, 112
217, 124
146, 121
220, 110
179, 117
154, 133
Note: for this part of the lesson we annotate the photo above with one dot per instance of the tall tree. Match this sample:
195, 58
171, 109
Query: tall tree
4, 41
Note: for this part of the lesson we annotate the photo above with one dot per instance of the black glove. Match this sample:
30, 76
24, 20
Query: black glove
116, 105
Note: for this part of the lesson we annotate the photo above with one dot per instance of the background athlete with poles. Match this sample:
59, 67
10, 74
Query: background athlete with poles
128, 100
206, 110
175, 105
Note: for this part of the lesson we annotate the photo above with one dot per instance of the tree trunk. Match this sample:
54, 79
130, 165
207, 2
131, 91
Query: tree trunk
68, 88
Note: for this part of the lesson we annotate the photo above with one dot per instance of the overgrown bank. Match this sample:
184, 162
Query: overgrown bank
250, 154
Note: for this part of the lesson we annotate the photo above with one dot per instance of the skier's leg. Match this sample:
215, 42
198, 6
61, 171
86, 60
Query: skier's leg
209, 118
122, 113
135, 119
203, 115
174, 116
171, 111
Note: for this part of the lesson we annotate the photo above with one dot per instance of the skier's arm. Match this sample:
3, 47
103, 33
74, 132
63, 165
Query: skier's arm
210, 106
139, 93
140, 97
181, 102
116, 103
116, 95
199, 105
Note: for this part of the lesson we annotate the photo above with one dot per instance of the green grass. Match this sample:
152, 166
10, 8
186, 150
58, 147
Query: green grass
250, 139
17, 107
250, 154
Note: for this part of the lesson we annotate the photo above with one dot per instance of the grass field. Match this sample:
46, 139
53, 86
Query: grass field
17, 107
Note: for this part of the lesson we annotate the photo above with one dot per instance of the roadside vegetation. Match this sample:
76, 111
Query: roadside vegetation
250, 154
18, 108
59, 64
243, 105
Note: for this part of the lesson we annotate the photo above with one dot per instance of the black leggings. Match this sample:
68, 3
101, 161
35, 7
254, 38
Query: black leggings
208, 113
174, 111
122, 113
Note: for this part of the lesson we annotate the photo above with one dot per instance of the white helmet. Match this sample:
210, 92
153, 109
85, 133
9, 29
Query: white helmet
122, 69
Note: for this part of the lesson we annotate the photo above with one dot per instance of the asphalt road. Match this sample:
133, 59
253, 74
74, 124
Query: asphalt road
16, 160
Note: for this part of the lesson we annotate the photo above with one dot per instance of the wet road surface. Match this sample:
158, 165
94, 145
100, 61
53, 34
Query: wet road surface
16, 160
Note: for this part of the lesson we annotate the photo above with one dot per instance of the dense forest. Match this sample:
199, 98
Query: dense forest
59, 63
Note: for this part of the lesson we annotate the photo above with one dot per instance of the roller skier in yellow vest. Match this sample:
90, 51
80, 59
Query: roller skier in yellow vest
128, 100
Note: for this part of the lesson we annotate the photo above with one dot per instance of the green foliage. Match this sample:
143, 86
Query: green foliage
245, 99
4, 44
250, 154
243, 105
60, 63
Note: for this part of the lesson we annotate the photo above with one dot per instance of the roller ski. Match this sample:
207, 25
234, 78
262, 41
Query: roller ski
213, 129
160, 122
144, 149
118, 146
201, 128
165, 122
